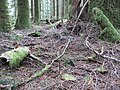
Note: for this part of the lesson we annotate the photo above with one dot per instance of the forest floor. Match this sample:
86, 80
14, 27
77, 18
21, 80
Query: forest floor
91, 71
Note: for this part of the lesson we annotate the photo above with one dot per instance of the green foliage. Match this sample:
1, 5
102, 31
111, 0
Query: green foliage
109, 33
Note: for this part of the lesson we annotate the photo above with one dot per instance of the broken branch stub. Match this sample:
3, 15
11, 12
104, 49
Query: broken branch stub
15, 56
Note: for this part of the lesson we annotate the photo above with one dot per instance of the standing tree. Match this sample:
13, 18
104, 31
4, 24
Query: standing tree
5, 24
53, 17
57, 6
23, 18
37, 11
32, 10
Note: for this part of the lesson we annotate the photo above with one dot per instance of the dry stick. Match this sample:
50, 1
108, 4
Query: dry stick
79, 16
62, 53
38, 59
100, 54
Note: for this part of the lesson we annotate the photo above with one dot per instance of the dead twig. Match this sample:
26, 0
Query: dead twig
79, 16
38, 59
100, 54
62, 52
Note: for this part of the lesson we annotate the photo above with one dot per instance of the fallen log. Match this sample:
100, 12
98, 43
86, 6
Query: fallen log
15, 56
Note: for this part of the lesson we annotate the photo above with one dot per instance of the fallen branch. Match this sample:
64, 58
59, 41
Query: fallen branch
38, 59
62, 52
97, 53
79, 16
53, 25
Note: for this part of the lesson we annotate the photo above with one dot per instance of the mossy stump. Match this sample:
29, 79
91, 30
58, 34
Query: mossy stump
109, 33
111, 8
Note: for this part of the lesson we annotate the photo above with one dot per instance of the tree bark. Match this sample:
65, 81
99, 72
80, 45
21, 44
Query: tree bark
32, 10
37, 11
57, 5
23, 18
53, 9
5, 24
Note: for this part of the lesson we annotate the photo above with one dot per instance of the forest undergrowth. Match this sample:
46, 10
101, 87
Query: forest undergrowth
84, 58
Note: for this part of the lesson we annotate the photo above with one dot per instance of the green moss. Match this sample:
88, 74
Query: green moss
109, 33
111, 8
5, 24
15, 56
23, 18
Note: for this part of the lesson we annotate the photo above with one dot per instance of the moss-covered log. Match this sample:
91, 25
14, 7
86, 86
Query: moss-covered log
109, 33
5, 24
23, 18
111, 8
15, 56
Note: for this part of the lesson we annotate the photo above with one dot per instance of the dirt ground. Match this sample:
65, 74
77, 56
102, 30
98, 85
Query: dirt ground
49, 45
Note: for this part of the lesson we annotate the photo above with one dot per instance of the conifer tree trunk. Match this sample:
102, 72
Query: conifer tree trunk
37, 11
5, 24
57, 9
32, 9
63, 8
53, 9
23, 18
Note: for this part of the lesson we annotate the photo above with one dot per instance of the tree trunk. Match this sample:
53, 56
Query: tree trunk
53, 9
37, 11
74, 4
63, 8
23, 19
57, 5
32, 10
5, 24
